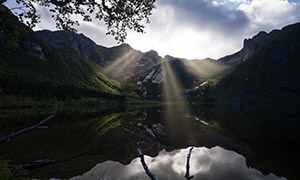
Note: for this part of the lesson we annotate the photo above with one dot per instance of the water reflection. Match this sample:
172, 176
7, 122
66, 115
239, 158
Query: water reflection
80, 139
215, 163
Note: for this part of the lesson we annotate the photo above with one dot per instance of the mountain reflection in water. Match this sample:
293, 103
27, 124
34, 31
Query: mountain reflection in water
214, 163
78, 139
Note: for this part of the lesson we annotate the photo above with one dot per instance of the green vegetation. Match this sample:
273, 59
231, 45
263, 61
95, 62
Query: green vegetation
37, 73
72, 133
269, 76
4, 170
10, 173
273, 71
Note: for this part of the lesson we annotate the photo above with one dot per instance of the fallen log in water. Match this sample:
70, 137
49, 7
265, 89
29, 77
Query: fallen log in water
36, 164
140, 154
38, 125
187, 173
152, 176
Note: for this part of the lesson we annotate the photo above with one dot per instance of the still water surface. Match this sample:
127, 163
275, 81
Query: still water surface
102, 143
214, 163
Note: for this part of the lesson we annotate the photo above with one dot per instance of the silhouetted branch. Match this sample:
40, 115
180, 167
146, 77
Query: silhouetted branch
37, 163
140, 154
25, 129
187, 174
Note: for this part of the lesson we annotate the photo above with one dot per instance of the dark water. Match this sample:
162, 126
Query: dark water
101, 143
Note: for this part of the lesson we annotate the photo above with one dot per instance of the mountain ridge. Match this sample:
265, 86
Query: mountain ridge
271, 74
250, 45
122, 63
110, 59
39, 71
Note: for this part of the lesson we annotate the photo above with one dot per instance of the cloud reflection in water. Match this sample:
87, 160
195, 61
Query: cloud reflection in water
206, 164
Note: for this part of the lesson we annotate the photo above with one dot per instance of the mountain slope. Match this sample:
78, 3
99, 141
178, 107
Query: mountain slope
249, 47
37, 69
271, 74
128, 65
118, 62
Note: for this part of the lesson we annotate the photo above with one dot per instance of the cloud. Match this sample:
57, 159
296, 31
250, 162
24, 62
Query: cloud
192, 29
197, 28
270, 14
202, 28
215, 163
204, 14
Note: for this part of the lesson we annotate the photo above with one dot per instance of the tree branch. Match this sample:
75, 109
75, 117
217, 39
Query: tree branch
187, 174
35, 164
25, 129
140, 154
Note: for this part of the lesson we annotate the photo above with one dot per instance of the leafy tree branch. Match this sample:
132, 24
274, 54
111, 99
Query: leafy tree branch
118, 15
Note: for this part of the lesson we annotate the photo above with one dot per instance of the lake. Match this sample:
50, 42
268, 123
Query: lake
102, 142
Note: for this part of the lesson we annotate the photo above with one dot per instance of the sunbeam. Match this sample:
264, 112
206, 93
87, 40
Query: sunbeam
176, 104
172, 88
204, 68
123, 65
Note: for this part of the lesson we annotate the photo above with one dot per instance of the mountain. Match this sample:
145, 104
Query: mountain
249, 47
143, 70
118, 62
270, 75
58, 54
125, 64
266, 67
36, 70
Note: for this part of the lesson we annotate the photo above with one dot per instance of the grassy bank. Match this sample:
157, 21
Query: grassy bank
29, 102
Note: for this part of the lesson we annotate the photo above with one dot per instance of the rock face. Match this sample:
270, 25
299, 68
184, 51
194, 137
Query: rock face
261, 65
34, 50
271, 73
119, 58
123, 63
155, 75
77, 44
146, 63
249, 47
135, 67
149, 58
36, 69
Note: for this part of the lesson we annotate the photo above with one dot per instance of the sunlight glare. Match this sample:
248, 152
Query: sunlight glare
123, 65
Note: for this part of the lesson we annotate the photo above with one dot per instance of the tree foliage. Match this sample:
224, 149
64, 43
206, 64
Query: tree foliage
118, 15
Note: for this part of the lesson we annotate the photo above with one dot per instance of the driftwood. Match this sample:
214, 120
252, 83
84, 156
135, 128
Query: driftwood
36, 164
187, 173
38, 125
152, 176
140, 154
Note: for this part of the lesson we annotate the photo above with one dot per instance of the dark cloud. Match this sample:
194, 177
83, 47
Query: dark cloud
196, 29
205, 14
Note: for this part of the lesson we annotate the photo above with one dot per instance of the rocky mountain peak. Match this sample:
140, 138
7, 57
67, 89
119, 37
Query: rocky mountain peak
249, 47
168, 57
260, 37
76, 44
125, 47
152, 56
251, 44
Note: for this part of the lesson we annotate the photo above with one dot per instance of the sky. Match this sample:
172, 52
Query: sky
196, 29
